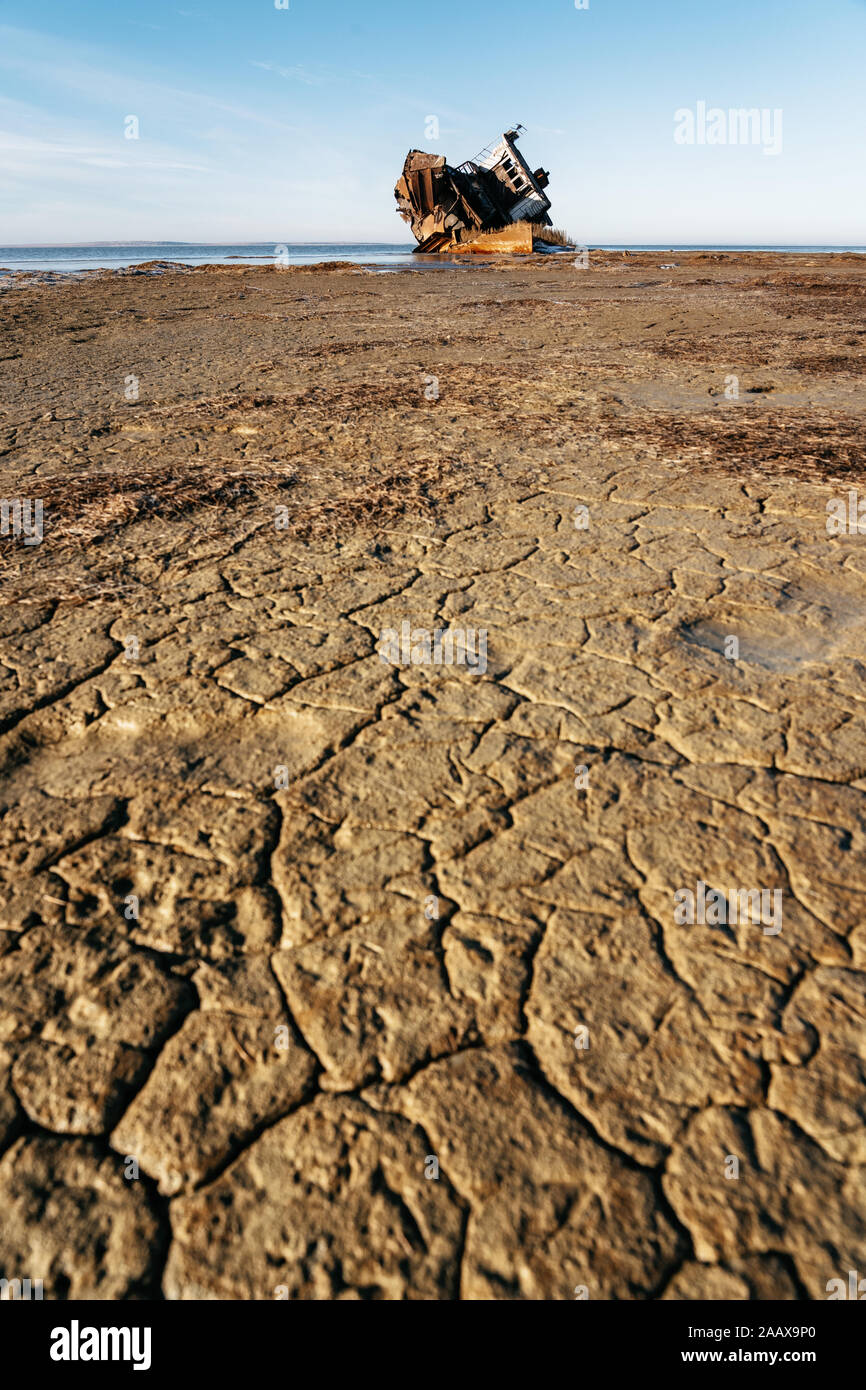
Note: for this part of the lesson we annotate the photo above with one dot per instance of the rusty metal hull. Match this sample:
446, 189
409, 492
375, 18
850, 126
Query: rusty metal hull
515, 240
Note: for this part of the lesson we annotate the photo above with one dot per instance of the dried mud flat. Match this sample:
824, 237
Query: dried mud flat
282, 924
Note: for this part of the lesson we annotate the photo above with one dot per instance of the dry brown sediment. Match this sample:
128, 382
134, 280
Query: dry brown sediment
433, 437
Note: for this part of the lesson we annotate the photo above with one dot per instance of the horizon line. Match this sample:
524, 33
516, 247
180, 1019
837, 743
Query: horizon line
626, 245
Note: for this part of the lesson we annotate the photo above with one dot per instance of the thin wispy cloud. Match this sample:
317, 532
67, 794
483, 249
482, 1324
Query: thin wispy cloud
63, 146
32, 150
294, 74
41, 59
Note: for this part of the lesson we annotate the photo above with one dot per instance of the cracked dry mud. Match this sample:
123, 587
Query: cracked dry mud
287, 1033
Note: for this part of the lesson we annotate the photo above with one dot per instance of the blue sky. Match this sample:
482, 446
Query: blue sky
266, 124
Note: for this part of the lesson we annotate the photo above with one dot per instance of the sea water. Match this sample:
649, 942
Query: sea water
378, 255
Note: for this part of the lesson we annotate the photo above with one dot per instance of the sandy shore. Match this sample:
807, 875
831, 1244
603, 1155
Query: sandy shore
363, 978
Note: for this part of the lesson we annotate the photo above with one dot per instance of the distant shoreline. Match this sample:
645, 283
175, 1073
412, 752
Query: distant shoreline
108, 257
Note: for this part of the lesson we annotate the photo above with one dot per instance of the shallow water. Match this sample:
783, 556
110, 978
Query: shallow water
380, 255
108, 257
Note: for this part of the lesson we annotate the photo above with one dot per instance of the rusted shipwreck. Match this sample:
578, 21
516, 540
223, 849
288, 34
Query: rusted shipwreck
487, 204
